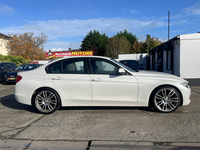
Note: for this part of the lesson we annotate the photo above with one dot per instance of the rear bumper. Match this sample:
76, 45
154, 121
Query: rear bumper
23, 94
22, 99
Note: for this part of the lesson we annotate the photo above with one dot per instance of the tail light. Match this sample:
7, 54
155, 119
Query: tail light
18, 78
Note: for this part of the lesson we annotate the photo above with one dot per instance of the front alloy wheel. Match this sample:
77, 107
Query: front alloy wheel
46, 101
166, 99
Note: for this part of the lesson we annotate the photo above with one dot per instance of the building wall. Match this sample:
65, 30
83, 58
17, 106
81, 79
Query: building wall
190, 56
3, 49
141, 58
186, 57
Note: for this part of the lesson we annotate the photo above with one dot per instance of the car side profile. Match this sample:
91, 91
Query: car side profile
98, 81
6, 67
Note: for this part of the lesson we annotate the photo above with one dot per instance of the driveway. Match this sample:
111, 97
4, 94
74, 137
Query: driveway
134, 124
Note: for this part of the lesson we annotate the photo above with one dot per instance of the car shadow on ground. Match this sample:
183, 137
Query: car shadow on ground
145, 109
10, 102
3, 83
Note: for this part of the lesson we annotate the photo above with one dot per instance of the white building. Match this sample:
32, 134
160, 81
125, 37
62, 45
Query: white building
3, 40
179, 56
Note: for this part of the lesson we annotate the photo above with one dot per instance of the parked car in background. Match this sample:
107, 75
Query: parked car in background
98, 81
6, 67
11, 77
133, 64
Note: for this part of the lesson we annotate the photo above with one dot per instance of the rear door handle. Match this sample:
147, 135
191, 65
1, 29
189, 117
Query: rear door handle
97, 80
56, 78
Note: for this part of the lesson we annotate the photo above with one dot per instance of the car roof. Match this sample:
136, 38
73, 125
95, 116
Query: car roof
128, 60
86, 57
71, 57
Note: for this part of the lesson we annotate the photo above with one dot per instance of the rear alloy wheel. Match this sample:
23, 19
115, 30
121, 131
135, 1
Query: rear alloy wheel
166, 99
46, 101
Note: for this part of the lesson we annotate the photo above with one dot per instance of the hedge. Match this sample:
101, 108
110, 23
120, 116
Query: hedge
18, 60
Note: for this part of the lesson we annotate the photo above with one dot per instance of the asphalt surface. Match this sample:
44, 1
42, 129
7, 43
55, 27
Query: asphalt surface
98, 127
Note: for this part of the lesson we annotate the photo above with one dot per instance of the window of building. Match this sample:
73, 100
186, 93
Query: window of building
169, 60
153, 61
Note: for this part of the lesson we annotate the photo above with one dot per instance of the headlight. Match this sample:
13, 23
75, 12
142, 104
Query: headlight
185, 84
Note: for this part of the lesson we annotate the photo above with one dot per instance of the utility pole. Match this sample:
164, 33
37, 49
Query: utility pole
148, 59
168, 23
148, 36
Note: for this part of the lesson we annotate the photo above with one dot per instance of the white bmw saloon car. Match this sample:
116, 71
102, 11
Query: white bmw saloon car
99, 81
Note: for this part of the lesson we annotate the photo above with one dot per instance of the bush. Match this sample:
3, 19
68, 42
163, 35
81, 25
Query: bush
18, 60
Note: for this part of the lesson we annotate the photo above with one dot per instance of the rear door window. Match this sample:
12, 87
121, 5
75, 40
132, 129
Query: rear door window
74, 66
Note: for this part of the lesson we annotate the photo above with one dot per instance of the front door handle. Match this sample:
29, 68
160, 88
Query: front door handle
97, 80
56, 78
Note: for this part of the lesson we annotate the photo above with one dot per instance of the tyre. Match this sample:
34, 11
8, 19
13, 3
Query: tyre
5, 82
166, 99
46, 101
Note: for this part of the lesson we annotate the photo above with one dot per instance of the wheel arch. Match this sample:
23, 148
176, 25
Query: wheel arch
41, 88
150, 98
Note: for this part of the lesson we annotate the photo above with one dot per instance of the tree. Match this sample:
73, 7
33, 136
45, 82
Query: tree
129, 36
27, 46
96, 42
136, 47
118, 45
153, 42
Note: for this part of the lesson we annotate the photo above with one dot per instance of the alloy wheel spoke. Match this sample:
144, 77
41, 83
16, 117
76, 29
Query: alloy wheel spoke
165, 92
50, 107
171, 105
51, 102
163, 106
159, 96
39, 97
159, 103
174, 98
50, 96
174, 101
171, 93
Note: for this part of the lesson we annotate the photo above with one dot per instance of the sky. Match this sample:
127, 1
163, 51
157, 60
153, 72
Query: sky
67, 22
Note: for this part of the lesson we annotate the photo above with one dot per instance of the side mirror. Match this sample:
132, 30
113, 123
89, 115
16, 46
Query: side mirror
122, 71
1, 68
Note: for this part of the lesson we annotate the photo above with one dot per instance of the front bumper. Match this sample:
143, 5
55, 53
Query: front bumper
186, 92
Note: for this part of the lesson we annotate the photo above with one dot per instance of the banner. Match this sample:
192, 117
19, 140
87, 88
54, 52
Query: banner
52, 55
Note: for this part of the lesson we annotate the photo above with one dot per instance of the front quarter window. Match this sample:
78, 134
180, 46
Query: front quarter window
103, 67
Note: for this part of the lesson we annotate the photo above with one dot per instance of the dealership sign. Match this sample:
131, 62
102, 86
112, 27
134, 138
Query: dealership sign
52, 55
